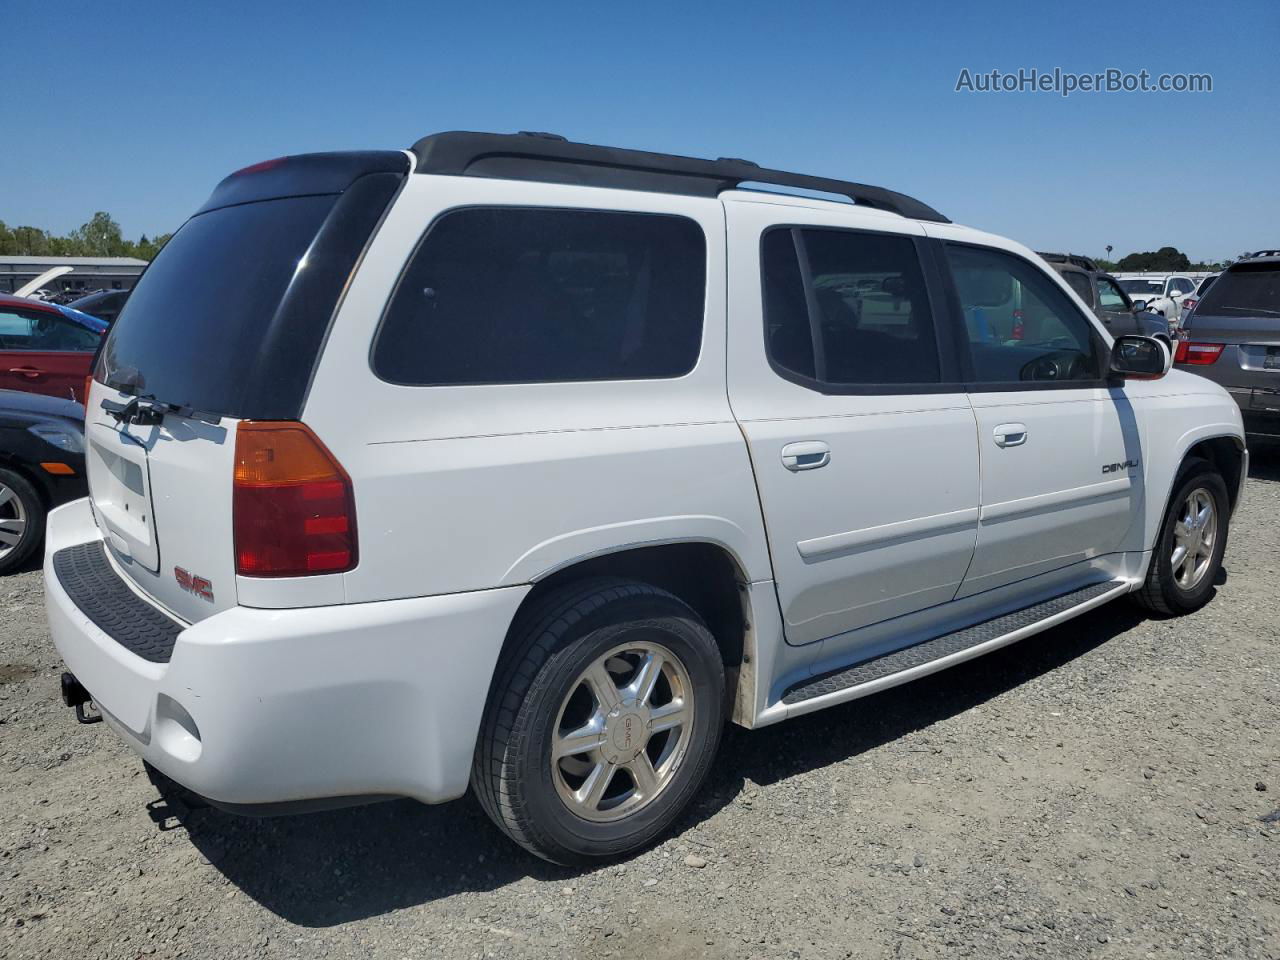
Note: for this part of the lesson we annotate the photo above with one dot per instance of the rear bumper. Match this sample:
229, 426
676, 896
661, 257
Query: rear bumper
1259, 409
260, 707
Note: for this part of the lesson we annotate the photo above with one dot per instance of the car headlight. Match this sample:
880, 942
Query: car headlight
61, 438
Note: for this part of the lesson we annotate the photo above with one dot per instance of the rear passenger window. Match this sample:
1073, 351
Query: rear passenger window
521, 295
1021, 326
847, 309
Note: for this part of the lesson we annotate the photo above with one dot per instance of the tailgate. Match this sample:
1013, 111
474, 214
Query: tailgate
161, 495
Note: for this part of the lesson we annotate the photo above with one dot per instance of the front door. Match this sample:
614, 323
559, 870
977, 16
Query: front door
1114, 308
861, 438
41, 352
1059, 450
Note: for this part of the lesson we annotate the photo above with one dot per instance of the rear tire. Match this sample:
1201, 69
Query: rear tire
22, 516
602, 722
1186, 562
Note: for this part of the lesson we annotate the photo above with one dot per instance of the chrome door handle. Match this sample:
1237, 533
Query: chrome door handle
806, 455
1010, 434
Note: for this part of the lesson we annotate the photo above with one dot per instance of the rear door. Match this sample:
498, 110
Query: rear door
44, 352
1061, 462
861, 438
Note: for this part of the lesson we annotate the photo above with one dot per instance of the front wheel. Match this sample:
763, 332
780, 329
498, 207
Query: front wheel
1192, 540
603, 721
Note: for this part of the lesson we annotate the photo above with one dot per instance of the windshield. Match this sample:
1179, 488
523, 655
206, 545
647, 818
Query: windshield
1139, 287
1249, 289
192, 328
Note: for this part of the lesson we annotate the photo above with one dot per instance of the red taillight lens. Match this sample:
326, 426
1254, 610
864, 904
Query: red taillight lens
292, 504
1019, 329
84, 397
1188, 303
1202, 354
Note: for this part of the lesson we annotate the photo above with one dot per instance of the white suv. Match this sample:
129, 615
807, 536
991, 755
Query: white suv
1160, 294
525, 464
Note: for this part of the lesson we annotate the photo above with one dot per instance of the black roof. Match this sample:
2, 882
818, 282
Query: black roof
551, 158
1084, 263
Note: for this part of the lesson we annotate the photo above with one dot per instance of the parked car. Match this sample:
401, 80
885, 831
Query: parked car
1233, 338
1189, 302
1162, 295
103, 304
46, 348
41, 467
556, 456
1109, 303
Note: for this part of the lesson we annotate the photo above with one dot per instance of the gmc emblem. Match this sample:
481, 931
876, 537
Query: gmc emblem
201, 587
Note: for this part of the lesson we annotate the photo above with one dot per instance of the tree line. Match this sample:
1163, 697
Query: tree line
100, 237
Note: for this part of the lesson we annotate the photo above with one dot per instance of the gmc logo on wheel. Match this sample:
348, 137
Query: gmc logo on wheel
201, 587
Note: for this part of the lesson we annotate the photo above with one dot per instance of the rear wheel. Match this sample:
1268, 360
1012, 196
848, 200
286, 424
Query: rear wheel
1192, 540
21, 520
603, 721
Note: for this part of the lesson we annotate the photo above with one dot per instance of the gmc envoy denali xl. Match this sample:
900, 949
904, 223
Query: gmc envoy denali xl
522, 464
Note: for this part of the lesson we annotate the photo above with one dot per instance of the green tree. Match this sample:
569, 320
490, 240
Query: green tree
100, 237
1166, 258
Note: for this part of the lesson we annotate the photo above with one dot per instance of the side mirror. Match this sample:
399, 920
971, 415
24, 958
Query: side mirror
1139, 306
1140, 358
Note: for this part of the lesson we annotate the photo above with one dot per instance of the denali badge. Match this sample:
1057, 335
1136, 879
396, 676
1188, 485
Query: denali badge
201, 587
1116, 467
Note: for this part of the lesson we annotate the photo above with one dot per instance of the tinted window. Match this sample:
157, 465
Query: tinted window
1110, 296
1021, 326
44, 332
1242, 290
1205, 284
1181, 286
1141, 287
1079, 282
847, 308
194, 325
518, 295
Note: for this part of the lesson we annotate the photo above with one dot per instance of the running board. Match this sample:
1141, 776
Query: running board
869, 676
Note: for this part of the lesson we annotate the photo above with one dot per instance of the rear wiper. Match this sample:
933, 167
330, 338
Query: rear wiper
146, 410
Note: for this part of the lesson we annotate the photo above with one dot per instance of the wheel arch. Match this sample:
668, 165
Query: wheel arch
706, 575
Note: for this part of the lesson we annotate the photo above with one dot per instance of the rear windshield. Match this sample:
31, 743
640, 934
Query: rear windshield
192, 328
1249, 289
1137, 286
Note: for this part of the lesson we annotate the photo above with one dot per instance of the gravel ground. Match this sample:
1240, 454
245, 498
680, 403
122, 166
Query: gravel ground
1110, 788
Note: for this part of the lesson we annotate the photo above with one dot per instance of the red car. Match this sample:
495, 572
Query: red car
46, 348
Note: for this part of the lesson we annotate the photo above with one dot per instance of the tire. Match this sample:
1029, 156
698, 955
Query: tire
1168, 592
541, 691
22, 509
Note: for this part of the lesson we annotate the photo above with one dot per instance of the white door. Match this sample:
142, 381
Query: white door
864, 454
1060, 456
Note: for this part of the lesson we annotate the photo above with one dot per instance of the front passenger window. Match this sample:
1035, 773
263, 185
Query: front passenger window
1021, 326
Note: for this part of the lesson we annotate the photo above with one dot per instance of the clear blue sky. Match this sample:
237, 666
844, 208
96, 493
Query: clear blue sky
139, 108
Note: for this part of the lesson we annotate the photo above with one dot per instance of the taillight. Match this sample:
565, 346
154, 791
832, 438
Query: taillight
293, 508
84, 397
1188, 303
1019, 329
1202, 354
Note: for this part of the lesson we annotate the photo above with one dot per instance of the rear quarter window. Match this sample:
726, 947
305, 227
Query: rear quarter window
524, 295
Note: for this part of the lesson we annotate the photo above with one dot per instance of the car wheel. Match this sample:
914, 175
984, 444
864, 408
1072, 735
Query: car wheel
1192, 539
602, 723
21, 520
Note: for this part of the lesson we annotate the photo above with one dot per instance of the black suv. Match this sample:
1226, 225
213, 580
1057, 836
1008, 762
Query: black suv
1102, 293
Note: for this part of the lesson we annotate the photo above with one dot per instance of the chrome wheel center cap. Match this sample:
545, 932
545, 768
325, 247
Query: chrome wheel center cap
626, 732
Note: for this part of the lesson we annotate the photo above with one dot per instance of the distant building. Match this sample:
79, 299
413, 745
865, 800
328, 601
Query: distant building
87, 273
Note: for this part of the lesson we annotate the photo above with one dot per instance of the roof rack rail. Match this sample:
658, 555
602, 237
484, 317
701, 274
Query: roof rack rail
1073, 258
1261, 253
550, 158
